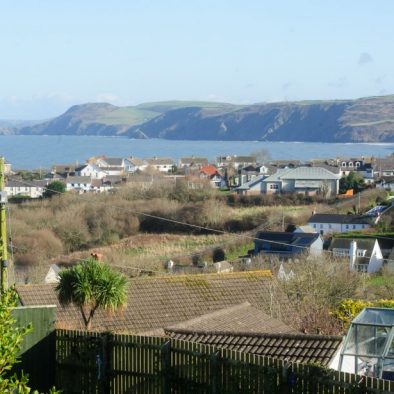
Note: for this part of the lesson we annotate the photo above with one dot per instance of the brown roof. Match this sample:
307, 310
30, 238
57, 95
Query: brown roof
290, 347
238, 318
162, 301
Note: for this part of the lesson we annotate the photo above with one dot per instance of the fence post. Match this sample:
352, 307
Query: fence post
166, 367
215, 373
106, 357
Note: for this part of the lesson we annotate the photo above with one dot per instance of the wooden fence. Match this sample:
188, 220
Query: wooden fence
111, 363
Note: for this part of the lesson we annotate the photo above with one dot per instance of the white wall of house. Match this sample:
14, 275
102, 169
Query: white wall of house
337, 227
376, 260
92, 171
81, 187
273, 187
30, 191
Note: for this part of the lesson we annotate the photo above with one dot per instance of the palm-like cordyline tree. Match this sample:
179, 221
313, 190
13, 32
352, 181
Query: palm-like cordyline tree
92, 285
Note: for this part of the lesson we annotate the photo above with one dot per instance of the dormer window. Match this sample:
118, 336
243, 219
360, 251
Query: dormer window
350, 164
361, 252
358, 164
344, 164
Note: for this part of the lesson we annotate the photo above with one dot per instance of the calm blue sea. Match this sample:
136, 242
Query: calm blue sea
30, 152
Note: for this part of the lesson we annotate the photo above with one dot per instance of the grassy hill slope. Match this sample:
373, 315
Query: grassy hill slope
368, 119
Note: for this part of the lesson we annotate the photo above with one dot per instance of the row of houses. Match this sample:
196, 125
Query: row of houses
240, 173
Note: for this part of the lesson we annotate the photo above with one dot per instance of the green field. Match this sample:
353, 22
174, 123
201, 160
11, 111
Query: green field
127, 116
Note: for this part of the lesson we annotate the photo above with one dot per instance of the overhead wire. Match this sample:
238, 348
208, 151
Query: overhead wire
204, 228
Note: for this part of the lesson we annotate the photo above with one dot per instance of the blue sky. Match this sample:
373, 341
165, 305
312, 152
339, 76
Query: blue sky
129, 51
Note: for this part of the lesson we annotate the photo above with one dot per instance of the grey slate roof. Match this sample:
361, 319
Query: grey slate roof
290, 347
279, 239
251, 183
318, 173
114, 161
160, 161
78, 179
344, 243
338, 218
161, 301
194, 160
238, 318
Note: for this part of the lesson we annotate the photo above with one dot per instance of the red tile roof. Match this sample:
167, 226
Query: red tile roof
209, 170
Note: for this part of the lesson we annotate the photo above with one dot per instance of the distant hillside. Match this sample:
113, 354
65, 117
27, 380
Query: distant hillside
363, 120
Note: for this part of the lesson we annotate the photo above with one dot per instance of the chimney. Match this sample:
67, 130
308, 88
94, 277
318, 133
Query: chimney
352, 254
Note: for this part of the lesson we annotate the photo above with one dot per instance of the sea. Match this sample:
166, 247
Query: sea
35, 152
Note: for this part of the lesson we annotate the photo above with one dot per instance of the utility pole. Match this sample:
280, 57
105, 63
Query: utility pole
3, 229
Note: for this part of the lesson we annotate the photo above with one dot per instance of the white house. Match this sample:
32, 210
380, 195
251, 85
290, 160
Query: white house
306, 180
192, 162
81, 184
364, 254
90, 170
337, 223
52, 275
162, 164
32, 189
236, 161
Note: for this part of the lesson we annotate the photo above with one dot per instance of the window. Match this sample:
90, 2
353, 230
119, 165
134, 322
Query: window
321, 226
347, 227
329, 226
274, 186
340, 252
344, 164
358, 164
354, 226
314, 225
350, 164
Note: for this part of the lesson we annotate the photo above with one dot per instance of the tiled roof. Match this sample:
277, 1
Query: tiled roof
162, 301
209, 170
290, 347
239, 318
338, 218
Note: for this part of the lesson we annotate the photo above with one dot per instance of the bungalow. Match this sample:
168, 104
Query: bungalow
162, 164
337, 223
287, 245
236, 161
383, 167
193, 163
254, 186
163, 301
308, 180
137, 164
364, 255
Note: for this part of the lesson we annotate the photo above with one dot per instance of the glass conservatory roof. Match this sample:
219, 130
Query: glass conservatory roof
376, 317
369, 345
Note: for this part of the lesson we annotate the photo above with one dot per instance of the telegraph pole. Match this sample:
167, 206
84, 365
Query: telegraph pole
3, 229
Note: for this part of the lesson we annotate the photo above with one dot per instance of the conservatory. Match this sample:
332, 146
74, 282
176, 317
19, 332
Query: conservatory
369, 345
